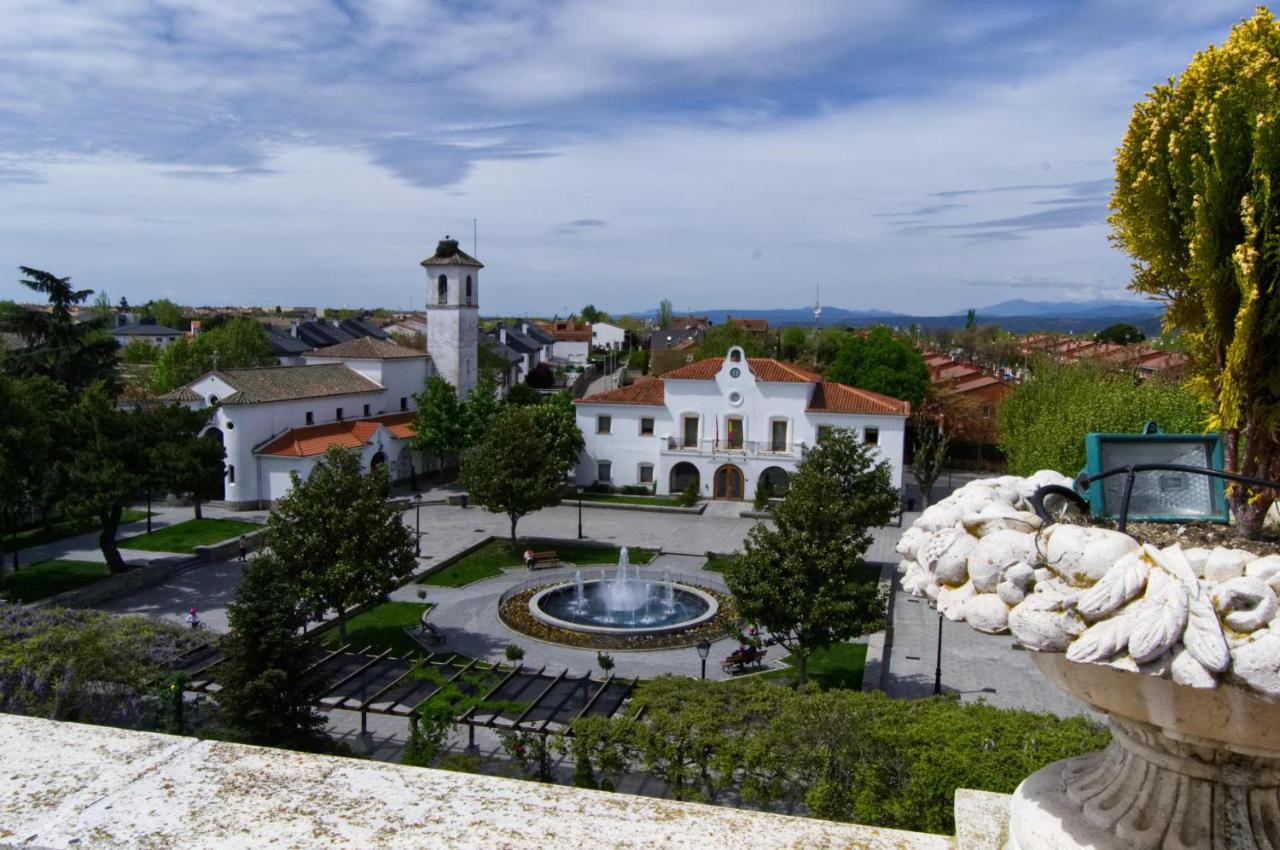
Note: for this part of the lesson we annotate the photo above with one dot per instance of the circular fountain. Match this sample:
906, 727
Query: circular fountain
625, 603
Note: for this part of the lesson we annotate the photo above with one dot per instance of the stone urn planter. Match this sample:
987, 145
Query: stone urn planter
1180, 649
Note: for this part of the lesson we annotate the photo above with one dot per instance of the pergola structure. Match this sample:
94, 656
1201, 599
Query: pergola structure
511, 699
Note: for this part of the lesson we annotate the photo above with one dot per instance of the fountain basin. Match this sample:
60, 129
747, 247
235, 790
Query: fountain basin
555, 606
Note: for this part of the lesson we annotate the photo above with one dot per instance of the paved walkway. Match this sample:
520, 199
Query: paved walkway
974, 665
84, 547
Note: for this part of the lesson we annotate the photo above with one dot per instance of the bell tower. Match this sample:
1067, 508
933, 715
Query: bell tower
453, 312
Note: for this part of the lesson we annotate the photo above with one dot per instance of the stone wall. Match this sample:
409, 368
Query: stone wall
69, 785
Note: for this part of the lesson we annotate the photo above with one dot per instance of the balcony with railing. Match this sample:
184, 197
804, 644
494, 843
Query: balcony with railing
733, 448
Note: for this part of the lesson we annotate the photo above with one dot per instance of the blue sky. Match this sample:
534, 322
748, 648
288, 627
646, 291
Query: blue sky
912, 156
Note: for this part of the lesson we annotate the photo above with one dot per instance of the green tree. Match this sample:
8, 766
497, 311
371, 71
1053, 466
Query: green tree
107, 467
102, 309
1043, 421
168, 314
516, 468
75, 354
935, 422
339, 535
523, 395
267, 694
1121, 333
719, 339
881, 362
591, 315
971, 319
805, 579
664, 314
794, 343
440, 426
234, 344
1196, 206
139, 351
481, 406
32, 447
181, 461
557, 423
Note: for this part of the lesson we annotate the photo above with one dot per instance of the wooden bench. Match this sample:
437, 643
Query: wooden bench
542, 560
429, 630
740, 659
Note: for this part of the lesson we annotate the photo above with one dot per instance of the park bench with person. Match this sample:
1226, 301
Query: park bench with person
743, 657
542, 560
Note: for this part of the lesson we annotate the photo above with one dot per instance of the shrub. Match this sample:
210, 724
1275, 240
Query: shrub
689, 496
514, 653
764, 492
636, 490
600, 487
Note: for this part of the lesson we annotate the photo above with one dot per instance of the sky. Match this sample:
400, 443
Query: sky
910, 156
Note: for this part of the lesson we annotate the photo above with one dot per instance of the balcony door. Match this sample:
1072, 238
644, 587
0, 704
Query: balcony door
733, 432
778, 436
690, 432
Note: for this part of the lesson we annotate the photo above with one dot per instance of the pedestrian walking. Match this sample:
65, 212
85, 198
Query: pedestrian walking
244, 547
193, 620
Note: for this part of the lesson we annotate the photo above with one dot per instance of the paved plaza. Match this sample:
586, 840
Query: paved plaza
975, 666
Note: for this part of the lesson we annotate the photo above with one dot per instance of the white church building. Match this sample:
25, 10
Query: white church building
725, 425
359, 394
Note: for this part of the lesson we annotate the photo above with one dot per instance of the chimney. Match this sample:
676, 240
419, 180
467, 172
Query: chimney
293, 329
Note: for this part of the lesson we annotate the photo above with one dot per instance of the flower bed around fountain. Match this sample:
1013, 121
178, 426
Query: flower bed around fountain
514, 613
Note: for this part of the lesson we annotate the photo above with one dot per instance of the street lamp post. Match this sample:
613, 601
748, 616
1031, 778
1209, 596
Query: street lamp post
937, 670
704, 649
417, 524
579, 512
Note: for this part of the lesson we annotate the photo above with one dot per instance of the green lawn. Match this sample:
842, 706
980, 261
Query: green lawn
381, 628
625, 499
717, 564
185, 536
47, 578
838, 666
490, 559
63, 528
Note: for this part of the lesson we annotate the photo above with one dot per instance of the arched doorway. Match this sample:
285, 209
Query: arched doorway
378, 460
682, 475
728, 483
404, 465
775, 478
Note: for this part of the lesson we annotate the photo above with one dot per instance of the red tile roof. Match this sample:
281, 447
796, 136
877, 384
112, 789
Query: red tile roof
753, 325
968, 385
960, 370
764, 368
646, 391
313, 440
842, 398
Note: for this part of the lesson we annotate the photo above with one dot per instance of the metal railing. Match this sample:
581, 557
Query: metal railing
748, 448
1082, 483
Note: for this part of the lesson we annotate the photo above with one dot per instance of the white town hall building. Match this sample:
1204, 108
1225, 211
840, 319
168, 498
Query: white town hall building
359, 394
725, 425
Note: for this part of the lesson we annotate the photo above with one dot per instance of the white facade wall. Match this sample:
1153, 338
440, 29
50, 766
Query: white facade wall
755, 404
574, 352
453, 326
605, 335
246, 426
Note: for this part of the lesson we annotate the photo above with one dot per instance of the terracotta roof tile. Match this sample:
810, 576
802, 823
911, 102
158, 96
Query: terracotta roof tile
286, 383
968, 385
646, 391
313, 440
764, 368
842, 398
181, 394
367, 348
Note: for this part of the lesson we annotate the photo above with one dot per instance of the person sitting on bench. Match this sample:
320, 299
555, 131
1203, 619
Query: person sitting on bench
528, 559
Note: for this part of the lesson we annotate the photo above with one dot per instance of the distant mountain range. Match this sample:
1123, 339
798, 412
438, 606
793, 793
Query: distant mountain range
1017, 315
